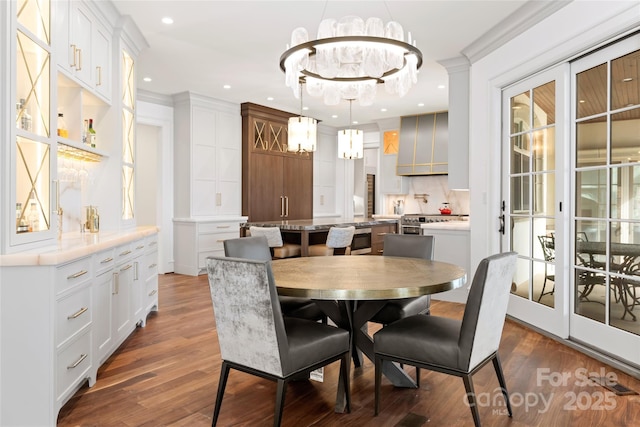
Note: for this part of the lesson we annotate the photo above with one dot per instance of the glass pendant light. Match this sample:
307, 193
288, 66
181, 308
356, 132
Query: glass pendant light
350, 141
302, 132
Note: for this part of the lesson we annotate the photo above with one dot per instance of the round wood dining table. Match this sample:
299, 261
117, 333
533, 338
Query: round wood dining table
352, 289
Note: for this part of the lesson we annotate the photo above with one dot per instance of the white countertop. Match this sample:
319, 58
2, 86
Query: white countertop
73, 246
388, 216
450, 225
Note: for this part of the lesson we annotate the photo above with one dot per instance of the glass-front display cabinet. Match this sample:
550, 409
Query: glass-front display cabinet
32, 139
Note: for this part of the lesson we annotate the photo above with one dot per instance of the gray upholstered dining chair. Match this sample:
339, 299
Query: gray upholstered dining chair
338, 238
410, 246
256, 339
279, 248
452, 346
257, 248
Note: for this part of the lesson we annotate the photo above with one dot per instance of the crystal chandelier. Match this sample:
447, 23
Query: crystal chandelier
350, 58
302, 132
350, 141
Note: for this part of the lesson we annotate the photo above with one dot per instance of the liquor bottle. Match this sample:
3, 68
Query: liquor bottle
25, 121
34, 218
92, 134
62, 126
85, 132
18, 215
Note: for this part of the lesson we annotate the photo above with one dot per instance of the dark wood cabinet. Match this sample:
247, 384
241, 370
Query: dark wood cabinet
377, 236
276, 184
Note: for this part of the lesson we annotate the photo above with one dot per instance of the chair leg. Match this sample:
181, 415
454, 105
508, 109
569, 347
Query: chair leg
224, 374
378, 380
503, 385
544, 284
281, 391
418, 377
344, 371
471, 396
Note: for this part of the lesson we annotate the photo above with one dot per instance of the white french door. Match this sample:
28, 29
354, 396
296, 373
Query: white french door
534, 211
605, 271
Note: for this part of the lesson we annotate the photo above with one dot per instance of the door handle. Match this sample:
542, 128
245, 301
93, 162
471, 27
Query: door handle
281, 206
286, 198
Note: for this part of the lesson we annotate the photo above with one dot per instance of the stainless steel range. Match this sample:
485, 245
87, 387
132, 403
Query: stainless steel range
410, 223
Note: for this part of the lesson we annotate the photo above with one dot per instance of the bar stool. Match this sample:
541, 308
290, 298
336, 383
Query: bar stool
279, 248
338, 238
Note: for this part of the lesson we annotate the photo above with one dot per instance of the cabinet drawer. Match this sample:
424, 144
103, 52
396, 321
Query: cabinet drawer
202, 256
123, 253
378, 233
220, 227
73, 274
207, 242
150, 266
73, 312
102, 261
138, 247
73, 364
152, 243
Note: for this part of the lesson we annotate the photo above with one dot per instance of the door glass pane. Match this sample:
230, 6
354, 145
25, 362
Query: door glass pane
591, 193
544, 105
520, 236
32, 185
591, 142
521, 113
128, 195
521, 285
544, 194
625, 78
35, 16
544, 149
591, 95
625, 192
520, 153
128, 76
520, 194
625, 136
32, 87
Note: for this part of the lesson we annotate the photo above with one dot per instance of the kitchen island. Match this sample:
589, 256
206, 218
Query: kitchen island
368, 237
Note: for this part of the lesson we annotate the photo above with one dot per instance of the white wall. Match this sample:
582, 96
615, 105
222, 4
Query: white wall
550, 42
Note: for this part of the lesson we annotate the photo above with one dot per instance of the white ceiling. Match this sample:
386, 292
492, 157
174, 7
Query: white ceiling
239, 43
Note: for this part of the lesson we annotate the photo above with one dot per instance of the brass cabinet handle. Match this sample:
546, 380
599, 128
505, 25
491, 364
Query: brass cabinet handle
153, 265
78, 274
223, 226
281, 206
116, 283
286, 198
140, 247
73, 50
79, 67
99, 70
106, 260
153, 292
380, 251
153, 243
77, 362
77, 313
126, 267
125, 253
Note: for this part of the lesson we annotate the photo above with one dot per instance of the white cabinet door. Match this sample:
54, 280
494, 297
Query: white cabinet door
122, 301
104, 286
101, 61
80, 40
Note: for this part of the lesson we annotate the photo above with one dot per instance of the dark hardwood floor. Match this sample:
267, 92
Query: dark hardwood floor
166, 374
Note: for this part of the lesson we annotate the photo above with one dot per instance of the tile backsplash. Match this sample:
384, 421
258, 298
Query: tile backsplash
437, 192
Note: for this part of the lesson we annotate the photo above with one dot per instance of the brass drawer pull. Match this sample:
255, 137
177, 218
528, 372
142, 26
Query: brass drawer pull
140, 247
153, 292
78, 274
153, 243
77, 362
126, 267
223, 226
106, 260
153, 265
77, 313
125, 253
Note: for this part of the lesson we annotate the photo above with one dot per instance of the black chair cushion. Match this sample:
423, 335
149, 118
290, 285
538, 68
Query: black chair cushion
311, 341
400, 308
426, 339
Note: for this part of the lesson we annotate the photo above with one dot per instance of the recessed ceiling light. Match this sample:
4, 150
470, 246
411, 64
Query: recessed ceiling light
335, 116
441, 86
167, 20
421, 104
355, 122
383, 110
305, 108
226, 87
147, 79
269, 98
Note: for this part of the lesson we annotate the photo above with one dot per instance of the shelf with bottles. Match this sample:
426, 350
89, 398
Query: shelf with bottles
77, 107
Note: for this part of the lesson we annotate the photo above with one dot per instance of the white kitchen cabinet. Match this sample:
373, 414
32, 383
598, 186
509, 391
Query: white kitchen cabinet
390, 183
149, 273
195, 240
208, 157
84, 46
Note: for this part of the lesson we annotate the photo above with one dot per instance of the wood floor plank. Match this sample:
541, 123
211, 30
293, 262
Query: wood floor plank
166, 374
